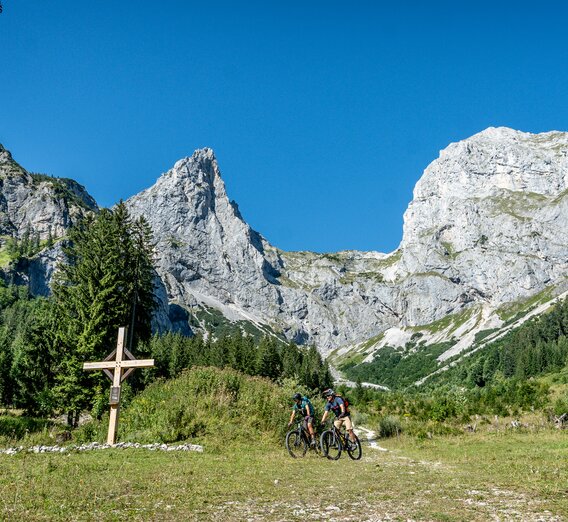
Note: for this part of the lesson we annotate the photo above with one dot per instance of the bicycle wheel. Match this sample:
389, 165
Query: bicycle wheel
354, 449
296, 444
330, 445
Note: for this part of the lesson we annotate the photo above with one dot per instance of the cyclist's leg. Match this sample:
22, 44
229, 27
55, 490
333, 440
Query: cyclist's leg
349, 428
310, 422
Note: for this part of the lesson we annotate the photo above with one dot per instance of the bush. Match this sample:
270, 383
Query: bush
359, 418
14, 427
389, 426
221, 405
560, 406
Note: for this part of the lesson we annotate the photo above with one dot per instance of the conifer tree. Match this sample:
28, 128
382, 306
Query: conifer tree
106, 283
269, 361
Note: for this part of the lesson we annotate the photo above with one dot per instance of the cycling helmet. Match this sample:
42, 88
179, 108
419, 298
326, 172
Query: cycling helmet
328, 393
297, 397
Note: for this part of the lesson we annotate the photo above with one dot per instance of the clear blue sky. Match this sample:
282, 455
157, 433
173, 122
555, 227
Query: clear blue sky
323, 114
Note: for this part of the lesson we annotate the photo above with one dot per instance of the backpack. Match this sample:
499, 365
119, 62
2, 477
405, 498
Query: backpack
345, 402
308, 402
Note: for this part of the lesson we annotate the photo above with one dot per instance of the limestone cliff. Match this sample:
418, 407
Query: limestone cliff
486, 227
485, 232
40, 206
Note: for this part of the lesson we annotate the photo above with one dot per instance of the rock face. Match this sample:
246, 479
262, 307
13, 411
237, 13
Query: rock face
37, 202
489, 218
487, 226
37, 205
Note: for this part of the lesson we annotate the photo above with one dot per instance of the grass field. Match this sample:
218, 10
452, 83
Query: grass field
474, 477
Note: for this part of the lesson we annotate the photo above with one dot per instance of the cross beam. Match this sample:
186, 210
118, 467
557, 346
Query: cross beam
120, 359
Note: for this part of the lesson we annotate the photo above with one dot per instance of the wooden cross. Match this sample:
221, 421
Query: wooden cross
116, 361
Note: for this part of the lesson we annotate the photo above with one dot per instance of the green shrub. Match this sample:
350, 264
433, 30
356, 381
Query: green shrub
427, 430
389, 426
217, 405
359, 418
560, 406
14, 427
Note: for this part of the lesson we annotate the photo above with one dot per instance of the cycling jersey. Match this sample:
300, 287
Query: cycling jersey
335, 406
303, 407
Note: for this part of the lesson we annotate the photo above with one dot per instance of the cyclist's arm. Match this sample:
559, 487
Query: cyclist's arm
309, 410
292, 417
324, 416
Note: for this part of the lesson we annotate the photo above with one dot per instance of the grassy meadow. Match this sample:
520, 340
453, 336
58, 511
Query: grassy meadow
472, 477
245, 472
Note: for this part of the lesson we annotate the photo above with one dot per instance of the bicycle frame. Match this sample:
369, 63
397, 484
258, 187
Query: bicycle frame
302, 431
342, 434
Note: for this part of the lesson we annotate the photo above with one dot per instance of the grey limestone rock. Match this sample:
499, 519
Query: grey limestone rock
42, 205
487, 226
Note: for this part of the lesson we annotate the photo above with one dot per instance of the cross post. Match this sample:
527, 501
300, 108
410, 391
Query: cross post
116, 361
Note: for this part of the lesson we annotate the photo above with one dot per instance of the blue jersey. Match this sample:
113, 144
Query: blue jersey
335, 406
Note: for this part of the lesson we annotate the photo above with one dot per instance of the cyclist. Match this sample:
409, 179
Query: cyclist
303, 406
342, 416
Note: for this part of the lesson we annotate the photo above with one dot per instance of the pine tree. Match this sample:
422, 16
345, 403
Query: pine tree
49, 243
269, 362
106, 283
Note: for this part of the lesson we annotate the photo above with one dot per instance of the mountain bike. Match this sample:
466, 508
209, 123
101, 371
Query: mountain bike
298, 441
333, 441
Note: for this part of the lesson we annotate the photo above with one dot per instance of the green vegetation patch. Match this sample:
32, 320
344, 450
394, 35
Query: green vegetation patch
16, 427
517, 203
372, 341
511, 312
350, 359
64, 188
6, 257
451, 322
212, 320
394, 258
399, 368
204, 404
449, 249
351, 277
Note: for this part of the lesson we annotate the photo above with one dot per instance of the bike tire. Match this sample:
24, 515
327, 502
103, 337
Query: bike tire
355, 452
330, 445
296, 445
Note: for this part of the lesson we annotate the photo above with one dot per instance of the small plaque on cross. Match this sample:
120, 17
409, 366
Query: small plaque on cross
114, 395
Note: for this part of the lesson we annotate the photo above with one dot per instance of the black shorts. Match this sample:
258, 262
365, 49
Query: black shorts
307, 420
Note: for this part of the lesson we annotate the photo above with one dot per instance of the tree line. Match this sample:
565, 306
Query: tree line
267, 357
28, 245
537, 347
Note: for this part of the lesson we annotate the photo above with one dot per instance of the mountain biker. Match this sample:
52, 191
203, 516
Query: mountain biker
303, 406
342, 416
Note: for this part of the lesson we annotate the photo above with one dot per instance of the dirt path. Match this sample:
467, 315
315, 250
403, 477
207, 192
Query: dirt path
371, 437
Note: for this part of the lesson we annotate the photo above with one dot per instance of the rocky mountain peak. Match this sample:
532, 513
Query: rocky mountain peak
5, 156
498, 159
38, 204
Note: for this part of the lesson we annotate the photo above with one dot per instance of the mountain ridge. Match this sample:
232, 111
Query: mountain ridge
486, 227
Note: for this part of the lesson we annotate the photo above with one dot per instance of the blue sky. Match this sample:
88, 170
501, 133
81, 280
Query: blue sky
322, 114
